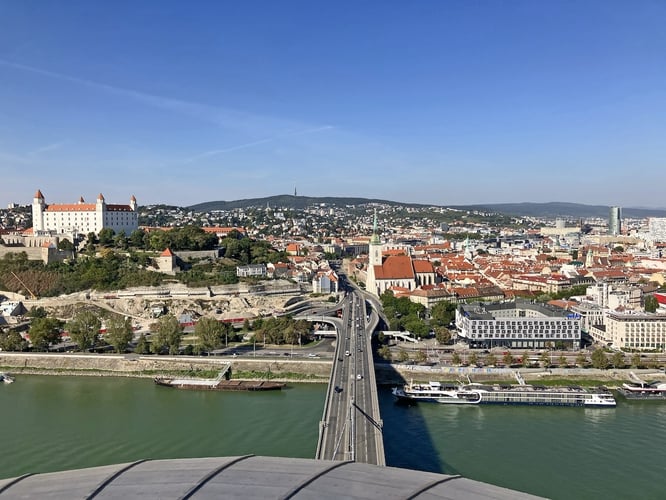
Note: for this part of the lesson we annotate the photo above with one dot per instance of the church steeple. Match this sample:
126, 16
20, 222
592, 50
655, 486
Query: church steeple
375, 248
374, 240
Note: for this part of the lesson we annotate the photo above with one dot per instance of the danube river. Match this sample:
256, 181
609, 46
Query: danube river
55, 423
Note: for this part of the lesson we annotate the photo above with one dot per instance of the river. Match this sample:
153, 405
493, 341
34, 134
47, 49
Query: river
56, 423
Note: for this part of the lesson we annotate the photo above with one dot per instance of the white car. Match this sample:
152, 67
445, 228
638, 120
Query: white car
359, 376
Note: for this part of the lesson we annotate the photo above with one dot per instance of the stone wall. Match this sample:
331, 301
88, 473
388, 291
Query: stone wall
137, 364
34, 253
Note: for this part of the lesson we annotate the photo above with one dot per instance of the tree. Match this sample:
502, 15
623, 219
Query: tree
84, 329
442, 314
136, 239
43, 332
119, 332
525, 360
142, 346
91, 239
121, 241
421, 356
562, 361
443, 335
36, 312
65, 245
507, 359
12, 341
581, 359
384, 352
455, 359
210, 333
650, 304
473, 359
403, 356
636, 360
491, 359
545, 359
617, 360
167, 334
105, 237
599, 359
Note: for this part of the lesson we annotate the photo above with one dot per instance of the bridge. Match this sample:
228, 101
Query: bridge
351, 426
401, 335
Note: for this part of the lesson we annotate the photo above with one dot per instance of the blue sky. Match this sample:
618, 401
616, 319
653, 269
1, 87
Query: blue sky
443, 102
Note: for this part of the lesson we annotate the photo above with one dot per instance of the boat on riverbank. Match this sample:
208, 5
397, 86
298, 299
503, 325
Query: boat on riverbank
639, 389
500, 394
218, 384
6, 378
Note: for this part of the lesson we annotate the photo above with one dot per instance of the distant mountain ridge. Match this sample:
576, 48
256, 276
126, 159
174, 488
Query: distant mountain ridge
290, 201
526, 209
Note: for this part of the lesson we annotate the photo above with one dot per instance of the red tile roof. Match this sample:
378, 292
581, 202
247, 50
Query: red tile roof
395, 267
71, 207
423, 266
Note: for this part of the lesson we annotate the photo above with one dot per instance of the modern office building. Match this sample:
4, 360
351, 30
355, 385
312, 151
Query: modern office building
615, 221
519, 324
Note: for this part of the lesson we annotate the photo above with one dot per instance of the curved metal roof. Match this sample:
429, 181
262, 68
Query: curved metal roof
248, 477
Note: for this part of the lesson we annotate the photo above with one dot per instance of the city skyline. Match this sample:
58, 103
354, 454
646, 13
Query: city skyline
446, 103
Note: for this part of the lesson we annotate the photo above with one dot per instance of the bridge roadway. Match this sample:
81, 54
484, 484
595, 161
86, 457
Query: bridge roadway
351, 427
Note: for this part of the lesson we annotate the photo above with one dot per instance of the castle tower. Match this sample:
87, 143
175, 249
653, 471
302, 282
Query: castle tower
100, 213
38, 206
132, 203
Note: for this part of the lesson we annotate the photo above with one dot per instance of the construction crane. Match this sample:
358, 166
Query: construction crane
32, 295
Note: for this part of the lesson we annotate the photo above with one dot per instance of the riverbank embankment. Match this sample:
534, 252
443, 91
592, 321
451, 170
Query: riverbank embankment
391, 374
130, 365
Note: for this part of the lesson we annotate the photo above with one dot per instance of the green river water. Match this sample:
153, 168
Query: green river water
56, 423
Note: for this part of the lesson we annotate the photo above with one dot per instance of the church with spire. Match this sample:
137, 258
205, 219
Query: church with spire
395, 272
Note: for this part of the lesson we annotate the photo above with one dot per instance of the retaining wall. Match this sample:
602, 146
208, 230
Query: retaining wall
137, 364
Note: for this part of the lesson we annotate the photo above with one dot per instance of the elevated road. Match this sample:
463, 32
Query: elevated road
351, 427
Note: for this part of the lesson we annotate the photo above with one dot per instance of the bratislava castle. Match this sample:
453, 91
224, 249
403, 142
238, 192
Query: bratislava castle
82, 217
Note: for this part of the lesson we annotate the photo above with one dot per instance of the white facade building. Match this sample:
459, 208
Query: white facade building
517, 325
82, 217
657, 229
640, 331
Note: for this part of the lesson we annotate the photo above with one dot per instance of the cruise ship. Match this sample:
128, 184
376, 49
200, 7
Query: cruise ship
498, 394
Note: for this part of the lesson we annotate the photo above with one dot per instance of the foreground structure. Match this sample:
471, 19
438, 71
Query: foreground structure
248, 477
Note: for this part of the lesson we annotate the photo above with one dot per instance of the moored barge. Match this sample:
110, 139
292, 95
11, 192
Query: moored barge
219, 384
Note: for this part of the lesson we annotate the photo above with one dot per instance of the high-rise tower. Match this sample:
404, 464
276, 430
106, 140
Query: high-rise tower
615, 221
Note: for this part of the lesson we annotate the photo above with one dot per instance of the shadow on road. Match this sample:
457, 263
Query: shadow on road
407, 440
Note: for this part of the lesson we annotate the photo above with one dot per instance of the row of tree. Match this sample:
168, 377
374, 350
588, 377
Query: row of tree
599, 359
403, 314
281, 330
